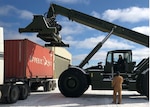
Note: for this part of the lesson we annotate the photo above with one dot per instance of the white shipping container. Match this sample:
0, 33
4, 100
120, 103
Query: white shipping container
62, 60
1, 56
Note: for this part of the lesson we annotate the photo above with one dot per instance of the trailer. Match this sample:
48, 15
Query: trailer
74, 81
27, 66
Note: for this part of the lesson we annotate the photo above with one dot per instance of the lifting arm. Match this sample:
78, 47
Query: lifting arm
97, 47
98, 24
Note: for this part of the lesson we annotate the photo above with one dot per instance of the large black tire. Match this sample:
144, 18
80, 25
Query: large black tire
24, 91
53, 85
142, 83
145, 83
139, 84
13, 95
72, 82
48, 86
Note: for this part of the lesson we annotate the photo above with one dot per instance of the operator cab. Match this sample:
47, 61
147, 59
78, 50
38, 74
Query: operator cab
112, 65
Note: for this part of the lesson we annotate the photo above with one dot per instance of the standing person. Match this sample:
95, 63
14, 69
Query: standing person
117, 86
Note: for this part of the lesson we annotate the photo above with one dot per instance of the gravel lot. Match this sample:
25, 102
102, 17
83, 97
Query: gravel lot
91, 98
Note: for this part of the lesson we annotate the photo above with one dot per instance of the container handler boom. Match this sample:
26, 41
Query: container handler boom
98, 24
87, 20
74, 81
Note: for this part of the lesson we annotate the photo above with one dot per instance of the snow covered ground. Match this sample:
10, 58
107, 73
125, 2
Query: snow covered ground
91, 98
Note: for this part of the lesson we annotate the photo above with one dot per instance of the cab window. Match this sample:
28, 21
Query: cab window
109, 58
116, 57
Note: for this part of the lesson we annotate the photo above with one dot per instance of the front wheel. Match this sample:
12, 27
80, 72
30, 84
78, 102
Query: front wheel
72, 82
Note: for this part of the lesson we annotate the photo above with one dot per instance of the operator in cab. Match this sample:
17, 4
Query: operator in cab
117, 87
120, 64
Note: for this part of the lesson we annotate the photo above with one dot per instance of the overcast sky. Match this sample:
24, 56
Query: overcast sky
132, 14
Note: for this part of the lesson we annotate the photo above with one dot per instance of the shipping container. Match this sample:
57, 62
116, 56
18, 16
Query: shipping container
61, 57
1, 57
26, 59
27, 66
1, 60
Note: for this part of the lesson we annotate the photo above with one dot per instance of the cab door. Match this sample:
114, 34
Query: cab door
109, 65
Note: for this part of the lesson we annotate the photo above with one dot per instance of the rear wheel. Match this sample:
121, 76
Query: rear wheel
142, 83
24, 91
145, 84
139, 83
13, 95
72, 82
53, 85
48, 86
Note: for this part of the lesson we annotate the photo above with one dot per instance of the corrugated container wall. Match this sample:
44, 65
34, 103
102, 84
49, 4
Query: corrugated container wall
62, 60
25, 59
